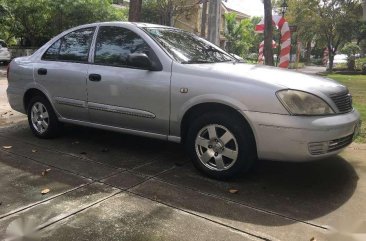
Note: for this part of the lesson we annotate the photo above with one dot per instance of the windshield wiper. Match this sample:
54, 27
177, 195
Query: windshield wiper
197, 62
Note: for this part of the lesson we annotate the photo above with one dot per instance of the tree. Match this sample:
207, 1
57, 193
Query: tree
204, 18
350, 49
330, 23
340, 21
268, 33
135, 11
164, 11
34, 22
214, 18
240, 35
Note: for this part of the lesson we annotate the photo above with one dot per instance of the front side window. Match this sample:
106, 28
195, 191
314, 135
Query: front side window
188, 48
114, 44
73, 47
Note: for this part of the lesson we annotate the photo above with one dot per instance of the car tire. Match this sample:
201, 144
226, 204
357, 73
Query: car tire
41, 118
221, 145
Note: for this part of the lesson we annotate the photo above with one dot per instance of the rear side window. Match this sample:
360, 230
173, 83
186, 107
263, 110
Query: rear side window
73, 47
52, 52
114, 44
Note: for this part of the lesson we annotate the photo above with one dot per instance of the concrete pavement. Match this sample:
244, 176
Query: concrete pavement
109, 186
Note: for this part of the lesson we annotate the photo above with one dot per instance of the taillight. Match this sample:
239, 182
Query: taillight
7, 71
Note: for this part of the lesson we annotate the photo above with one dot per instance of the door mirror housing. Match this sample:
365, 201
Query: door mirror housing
140, 60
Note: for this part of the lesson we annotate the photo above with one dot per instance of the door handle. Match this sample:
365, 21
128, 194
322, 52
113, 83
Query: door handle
95, 77
42, 71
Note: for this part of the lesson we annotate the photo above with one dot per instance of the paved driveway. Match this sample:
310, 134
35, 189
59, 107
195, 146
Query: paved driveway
109, 186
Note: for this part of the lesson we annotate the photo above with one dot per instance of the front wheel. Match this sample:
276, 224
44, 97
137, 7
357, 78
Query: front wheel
221, 145
41, 118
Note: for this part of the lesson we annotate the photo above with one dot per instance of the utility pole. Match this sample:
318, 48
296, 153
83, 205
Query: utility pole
204, 18
134, 12
268, 33
214, 18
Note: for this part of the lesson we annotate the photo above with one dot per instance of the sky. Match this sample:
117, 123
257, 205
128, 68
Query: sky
251, 7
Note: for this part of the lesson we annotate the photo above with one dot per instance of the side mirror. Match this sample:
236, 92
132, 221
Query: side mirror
140, 60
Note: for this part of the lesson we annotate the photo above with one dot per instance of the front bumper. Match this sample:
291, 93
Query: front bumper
299, 138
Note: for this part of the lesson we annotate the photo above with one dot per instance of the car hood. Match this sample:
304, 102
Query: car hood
278, 78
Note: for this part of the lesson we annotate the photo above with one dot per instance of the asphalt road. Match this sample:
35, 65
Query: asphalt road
108, 186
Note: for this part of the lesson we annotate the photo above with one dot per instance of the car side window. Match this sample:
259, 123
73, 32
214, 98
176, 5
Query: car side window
73, 47
52, 52
114, 44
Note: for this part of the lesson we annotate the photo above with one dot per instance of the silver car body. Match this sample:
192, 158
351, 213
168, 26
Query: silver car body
154, 103
5, 54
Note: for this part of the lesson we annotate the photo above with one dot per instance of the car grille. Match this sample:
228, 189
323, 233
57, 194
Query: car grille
343, 101
318, 148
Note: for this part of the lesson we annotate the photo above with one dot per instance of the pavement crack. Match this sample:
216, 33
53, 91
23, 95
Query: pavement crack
245, 205
43, 201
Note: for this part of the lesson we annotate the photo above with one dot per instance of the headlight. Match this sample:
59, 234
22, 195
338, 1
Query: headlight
302, 103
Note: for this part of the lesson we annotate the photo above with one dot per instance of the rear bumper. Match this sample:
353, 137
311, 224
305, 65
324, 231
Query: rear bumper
5, 57
297, 138
15, 98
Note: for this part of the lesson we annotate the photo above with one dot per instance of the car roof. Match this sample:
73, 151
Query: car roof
137, 24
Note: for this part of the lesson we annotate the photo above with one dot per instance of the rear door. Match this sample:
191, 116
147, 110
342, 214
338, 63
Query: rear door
62, 73
123, 95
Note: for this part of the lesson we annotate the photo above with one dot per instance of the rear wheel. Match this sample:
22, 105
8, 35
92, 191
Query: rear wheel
221, 145
41, 118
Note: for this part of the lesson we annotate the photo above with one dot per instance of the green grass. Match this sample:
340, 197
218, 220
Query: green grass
357, 87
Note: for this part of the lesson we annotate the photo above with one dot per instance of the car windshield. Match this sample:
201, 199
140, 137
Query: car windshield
188, 48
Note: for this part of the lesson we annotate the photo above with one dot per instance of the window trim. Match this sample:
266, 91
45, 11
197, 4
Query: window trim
61, 39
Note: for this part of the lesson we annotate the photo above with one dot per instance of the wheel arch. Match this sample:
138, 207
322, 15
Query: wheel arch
202, 108
31, 92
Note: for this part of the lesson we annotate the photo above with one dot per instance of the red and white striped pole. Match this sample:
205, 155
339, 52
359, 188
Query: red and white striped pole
261, 47
284, 28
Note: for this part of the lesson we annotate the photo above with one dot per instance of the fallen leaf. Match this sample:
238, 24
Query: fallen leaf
312, 239
83, 153
34, 151
7, 147
45, 191
75, 142
11, 114
233, 191
44, 173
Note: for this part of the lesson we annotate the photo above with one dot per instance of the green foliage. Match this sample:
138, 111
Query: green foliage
350, 49
330, 23
240, 35
36, 21
164, 11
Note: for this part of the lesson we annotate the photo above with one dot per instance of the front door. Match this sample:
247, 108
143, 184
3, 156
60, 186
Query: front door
124, 96
62, 73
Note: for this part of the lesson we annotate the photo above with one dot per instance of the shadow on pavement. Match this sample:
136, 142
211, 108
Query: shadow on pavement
292, 191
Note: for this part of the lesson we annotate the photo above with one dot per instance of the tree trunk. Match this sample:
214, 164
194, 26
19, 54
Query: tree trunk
204, 19
134, 14
308, 52
268, 33
330, 58
214, 18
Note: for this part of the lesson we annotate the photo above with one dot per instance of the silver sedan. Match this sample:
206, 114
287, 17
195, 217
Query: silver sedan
166, 83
